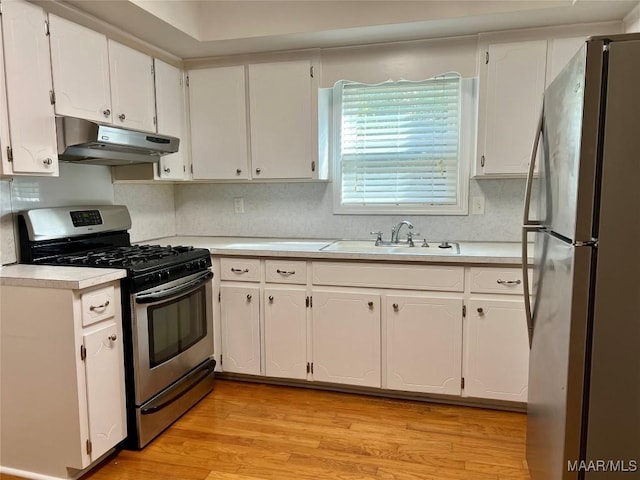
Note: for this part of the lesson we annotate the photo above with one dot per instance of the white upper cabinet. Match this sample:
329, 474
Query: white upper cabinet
132, 89
80, 65
281, 119
170, 107
218, 123
279, 142
28, 134
101, 80
561, 50
512, 85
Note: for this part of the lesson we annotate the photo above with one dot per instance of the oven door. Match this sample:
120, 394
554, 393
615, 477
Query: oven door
172, 332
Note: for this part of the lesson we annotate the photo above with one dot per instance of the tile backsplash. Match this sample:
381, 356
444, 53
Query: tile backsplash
305, 210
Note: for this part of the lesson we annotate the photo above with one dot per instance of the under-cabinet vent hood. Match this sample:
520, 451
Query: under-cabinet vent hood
84, 141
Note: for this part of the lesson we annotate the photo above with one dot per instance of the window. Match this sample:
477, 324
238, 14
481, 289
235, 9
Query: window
402, 147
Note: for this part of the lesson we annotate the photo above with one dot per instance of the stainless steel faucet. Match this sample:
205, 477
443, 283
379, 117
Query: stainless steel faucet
395, 230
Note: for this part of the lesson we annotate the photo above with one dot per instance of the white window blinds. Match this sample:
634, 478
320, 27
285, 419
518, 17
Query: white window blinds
400, 142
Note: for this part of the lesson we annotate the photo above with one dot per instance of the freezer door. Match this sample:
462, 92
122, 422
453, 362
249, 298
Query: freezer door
570, 147
556, 364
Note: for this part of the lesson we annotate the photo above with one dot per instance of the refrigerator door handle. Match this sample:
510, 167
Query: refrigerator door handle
525, 279
529, 226
532, 165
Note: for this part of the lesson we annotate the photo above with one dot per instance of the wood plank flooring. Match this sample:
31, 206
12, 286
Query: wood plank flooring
246, 431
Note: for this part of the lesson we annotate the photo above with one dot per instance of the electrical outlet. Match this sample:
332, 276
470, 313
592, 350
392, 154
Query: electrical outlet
477, 206
238, 205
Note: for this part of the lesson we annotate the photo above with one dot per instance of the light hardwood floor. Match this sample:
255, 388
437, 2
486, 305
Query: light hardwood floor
246, 431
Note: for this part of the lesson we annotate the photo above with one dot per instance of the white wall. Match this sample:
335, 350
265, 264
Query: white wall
151, 207
632, 20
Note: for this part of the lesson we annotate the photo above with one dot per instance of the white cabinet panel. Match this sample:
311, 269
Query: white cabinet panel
514, 80
281, 119
84, 93
240, 269
496, 359
171, 115
285, 335
240, 322
424, 343
32, 128
346, 337
132, 90
218, 123
105, 397
561, 50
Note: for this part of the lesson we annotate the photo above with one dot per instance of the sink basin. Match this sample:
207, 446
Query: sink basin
368, 246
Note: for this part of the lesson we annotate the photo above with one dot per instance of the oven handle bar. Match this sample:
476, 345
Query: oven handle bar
204, 372
174, 291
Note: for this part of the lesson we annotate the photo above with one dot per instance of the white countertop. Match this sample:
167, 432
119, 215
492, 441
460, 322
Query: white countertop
503, 253
74, 278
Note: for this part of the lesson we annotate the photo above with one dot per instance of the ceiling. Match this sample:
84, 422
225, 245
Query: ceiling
207, 28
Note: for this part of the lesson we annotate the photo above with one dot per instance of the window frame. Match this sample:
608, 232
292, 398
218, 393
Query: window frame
468, 137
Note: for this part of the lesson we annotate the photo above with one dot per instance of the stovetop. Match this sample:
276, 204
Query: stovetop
131, 257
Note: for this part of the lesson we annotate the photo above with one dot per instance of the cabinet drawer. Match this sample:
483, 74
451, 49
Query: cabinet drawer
98, 305
413, 277
497, 280
240, 269
286, 272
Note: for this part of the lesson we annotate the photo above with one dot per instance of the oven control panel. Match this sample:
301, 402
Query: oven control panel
86, 218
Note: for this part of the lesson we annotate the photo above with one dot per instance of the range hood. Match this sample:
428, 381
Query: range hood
84, 141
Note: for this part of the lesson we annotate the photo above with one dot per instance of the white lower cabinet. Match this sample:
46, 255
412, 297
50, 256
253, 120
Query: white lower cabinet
424, 343
285, 331
496, 359
62, 380
240, 323
346, 337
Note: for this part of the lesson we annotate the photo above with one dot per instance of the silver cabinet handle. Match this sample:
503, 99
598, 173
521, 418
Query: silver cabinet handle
248, 297
270, 298
122, 116
509, 282
93, 308
285, 272
238, 270
238, 171
481, 311
47, 161
370, 305
167, 170
106, 112
113, 337
395, 307
258, 170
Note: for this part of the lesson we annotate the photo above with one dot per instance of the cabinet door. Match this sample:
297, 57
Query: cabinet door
80, 66
105, 387
132, 91
514, 76
217, 109
32, 127
346, 337
171, 118
424, 343
281, 120
496, 357
285, 335
561, 50
240, 321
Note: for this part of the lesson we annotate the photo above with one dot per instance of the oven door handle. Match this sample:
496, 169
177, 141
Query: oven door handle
174, 291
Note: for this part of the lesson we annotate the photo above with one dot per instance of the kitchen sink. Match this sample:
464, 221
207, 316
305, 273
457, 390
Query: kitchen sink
369, 246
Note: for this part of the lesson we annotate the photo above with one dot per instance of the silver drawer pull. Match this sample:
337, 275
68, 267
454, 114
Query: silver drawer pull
238, 270
509, 282
113, 337
285, 272
93, 308
248, 297
395, 307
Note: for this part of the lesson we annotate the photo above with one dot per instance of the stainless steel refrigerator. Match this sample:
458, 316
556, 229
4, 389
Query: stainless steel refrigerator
584, 308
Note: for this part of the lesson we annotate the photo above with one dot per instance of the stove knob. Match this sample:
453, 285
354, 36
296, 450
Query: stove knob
202, 264
166, 274
159, 277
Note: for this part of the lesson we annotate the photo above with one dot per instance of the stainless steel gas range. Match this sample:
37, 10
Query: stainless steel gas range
166, 305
